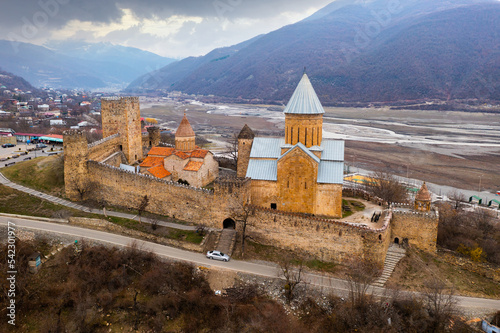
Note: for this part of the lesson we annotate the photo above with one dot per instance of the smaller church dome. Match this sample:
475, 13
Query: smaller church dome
246, 133
423, 194
185, 130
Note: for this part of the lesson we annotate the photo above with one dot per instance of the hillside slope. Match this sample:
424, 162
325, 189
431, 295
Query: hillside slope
422, 50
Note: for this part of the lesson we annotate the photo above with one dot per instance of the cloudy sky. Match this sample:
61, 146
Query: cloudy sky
172, 28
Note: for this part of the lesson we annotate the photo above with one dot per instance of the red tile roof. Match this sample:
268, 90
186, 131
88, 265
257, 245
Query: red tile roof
199, 153
159, 172
181, 154
193, 166
54, 136
161, 151
151, 161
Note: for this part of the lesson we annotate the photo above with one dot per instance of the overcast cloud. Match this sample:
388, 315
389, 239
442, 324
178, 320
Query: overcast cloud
173, 28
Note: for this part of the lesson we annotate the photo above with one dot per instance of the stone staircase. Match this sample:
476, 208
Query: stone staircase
226, 242
394, 254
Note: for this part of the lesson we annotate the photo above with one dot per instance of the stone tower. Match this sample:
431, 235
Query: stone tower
185, 137
154, 136
75, 163
423, 199
304, 116
122, 115
245, 141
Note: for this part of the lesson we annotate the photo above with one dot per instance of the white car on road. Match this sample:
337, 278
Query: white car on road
217, 255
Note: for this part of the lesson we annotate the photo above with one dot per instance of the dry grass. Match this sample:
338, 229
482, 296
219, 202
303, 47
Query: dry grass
466, 277
44, 174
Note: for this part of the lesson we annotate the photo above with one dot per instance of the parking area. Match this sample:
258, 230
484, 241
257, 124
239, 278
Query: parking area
23, 151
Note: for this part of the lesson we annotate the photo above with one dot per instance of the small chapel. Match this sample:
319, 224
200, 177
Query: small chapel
301, 172
186, 162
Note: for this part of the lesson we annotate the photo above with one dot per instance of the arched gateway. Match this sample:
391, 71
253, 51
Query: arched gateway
229, 224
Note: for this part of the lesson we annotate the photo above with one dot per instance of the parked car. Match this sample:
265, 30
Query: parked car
8, 145
41, 145
217, 255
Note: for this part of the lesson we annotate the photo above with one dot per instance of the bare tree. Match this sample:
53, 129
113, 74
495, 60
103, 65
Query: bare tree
84, 188
232, 150
440, 303
142, 206
387, 187
242, 212
292, 274
362, 273
457, 198
102, 204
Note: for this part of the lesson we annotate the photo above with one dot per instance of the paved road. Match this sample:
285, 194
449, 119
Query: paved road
338, 286
66, 203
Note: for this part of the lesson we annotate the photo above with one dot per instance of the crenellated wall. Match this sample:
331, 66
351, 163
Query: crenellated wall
418, 228
328, 240
122, 188
100, 150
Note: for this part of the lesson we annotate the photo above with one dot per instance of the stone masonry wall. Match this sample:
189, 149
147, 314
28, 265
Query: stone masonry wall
419, 228
122, 188
105, 148
328, 240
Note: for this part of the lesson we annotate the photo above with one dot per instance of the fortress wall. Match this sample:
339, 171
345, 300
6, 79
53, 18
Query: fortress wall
327, 240
116, 159
419, 228
127, 189
104, 149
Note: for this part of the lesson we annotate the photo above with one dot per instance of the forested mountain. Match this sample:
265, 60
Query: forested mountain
77, 64
11, 82
365, 51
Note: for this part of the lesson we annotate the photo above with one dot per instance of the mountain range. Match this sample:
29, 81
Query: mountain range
356, 51
77, 64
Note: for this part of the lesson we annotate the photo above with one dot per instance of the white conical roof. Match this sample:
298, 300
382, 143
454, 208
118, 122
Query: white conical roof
304, 100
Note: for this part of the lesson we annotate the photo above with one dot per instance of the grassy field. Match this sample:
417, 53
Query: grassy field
45, 174
16, 202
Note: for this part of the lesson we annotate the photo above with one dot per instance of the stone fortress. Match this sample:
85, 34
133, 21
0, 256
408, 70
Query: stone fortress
294, 184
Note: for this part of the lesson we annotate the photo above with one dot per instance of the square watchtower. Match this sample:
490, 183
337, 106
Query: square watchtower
122, 115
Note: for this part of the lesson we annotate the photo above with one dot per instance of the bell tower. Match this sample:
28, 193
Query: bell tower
304, 116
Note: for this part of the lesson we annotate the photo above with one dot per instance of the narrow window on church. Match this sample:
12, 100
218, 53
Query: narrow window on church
306, 138
305, 185
298, 135
288, 184
291, 137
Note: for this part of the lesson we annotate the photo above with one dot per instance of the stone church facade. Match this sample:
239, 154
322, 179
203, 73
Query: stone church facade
301, 172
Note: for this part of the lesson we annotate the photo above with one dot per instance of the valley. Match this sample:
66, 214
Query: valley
442, 147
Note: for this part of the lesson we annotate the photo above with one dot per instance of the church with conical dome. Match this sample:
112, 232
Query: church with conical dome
300, 172
186, 162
